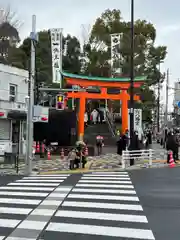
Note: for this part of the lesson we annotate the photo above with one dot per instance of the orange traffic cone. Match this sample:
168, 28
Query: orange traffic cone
34, 147
171, 161
62, 153
38, 147
42, 148
49, 155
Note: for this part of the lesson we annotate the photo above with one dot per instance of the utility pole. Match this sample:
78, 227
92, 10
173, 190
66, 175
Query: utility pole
167, 96
158, 101
29, 138
61, 58
132, 74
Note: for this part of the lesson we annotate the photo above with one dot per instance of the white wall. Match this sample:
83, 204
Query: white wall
12, 75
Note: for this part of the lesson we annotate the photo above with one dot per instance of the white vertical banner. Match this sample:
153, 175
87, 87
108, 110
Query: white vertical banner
56, 48
137, 121
115, 53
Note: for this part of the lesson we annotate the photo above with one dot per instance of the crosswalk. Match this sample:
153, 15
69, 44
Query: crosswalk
19, 199
100, 206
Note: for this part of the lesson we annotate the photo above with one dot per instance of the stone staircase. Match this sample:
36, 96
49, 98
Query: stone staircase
99, 129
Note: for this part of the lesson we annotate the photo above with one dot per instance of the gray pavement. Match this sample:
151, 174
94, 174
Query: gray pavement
141, 204
159, 193
90, 206
101, 206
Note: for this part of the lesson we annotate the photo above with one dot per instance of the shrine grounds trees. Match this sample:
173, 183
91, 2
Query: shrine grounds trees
96, 54
147, 56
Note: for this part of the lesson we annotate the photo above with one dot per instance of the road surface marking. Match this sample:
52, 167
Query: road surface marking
106, 175
32, 184
20, 201
117, 206
104, 186
28, 194
28, 188
44, 177
9, 223
104, 197
43, 212
101, 230
107, 178
51, 203
92, 190
102, 216
40, 180
34, 225
10, 210
104, 181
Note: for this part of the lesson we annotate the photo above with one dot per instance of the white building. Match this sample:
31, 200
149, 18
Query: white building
13, 93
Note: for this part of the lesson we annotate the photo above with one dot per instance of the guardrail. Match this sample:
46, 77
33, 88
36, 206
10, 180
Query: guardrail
137, 155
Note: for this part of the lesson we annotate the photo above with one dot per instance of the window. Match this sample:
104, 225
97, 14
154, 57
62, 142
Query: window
12, 92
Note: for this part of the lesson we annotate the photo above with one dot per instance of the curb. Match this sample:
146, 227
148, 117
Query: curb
82, 171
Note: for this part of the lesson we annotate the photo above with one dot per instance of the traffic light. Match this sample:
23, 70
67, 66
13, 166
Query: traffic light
59, 102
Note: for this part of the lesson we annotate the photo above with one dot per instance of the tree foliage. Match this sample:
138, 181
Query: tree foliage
9, 35
71, 56
96, 56
147, 56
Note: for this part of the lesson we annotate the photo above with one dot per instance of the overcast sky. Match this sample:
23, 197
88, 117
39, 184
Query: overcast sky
72, 14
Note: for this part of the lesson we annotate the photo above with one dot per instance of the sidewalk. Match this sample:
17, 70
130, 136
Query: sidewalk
108, 161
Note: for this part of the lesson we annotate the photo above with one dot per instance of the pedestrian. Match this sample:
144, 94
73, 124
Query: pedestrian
94, 115
171, 146
71, 158
85, 119
99, 144
134, 146
121, 145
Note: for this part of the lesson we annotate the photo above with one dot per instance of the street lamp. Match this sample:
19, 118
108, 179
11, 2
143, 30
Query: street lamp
132, 75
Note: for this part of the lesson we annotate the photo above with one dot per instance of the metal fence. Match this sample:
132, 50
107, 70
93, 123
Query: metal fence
138, 156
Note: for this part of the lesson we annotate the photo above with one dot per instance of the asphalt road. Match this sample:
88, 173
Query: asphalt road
101, 206
5, 179
159, 193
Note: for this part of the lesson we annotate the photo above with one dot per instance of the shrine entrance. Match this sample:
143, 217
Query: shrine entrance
84, 82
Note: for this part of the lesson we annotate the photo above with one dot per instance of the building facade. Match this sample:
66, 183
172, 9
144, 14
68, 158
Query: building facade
13, 108
176, 103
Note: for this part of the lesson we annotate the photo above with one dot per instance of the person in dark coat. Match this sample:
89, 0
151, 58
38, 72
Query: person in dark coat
134, 145
121, 144
171, 145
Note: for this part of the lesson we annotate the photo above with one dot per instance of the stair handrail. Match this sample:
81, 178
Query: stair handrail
110, 123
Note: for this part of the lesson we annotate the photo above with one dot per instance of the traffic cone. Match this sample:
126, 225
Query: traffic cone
38, 147
49, 155
171, 161
42, 148
62, 153
34, 147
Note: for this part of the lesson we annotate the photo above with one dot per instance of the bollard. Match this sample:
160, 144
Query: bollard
123, 160
62, 153
49, 155
150, 157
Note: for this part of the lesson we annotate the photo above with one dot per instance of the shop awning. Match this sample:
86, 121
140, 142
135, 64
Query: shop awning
17, 115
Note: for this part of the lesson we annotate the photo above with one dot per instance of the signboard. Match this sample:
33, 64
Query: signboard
56, 36
40, 114
115, 53
137, 121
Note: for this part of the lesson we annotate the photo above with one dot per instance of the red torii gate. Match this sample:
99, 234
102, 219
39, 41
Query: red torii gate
103, 83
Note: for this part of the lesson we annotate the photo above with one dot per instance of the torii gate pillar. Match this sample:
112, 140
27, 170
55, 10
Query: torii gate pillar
82, 108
